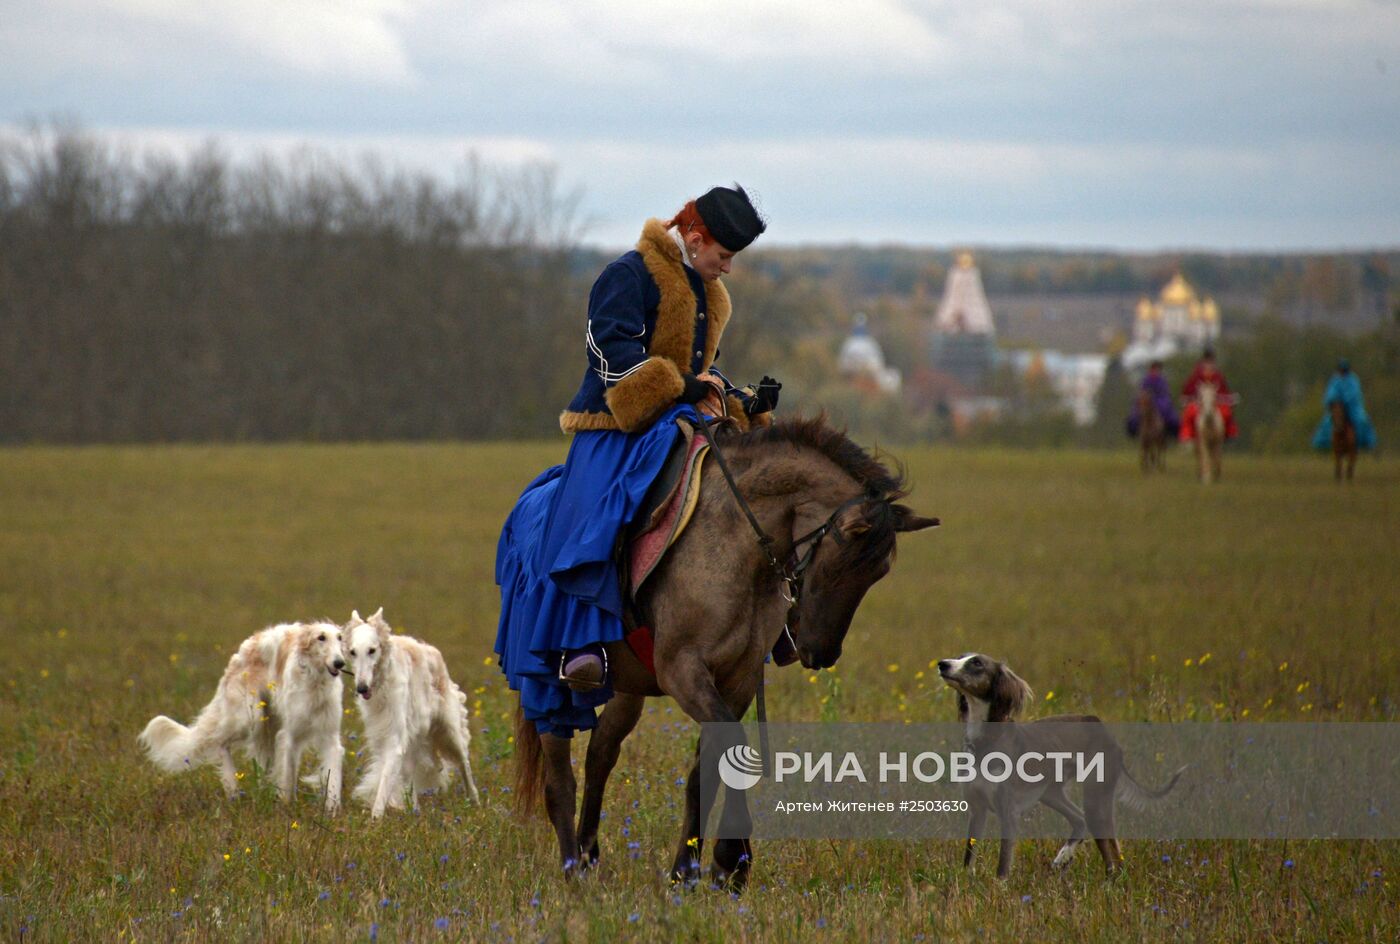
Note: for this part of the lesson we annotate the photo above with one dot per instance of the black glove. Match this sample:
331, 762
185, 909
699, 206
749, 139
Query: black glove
695, 389
765, 397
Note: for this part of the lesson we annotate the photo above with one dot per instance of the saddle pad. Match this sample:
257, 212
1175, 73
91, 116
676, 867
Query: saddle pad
648, 548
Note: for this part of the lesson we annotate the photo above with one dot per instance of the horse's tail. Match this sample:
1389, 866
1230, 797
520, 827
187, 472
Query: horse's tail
529, 772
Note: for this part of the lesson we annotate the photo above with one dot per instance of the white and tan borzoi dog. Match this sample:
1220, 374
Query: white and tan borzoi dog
280, 694
415, 716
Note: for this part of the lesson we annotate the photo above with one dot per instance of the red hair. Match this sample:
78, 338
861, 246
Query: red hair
688, 221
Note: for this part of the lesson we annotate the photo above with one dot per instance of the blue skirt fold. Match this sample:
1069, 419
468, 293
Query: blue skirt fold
555, 566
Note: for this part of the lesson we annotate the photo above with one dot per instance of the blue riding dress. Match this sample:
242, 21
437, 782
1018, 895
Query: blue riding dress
651, 318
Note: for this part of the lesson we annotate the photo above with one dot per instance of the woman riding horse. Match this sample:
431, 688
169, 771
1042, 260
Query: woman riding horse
1206, 371
655, 317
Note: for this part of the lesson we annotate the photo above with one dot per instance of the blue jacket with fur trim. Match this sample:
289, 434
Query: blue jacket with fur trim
651, 318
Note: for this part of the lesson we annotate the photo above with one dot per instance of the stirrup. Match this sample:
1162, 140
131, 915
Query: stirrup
585, 683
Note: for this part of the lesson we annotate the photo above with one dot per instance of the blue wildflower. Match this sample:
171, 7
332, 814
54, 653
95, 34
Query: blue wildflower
323, 896
1025, 899
634, 917
1288, 863
384, 902
821, 922
441, 924
374, 932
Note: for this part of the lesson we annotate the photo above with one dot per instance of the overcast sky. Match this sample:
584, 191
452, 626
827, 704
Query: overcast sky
1235, 124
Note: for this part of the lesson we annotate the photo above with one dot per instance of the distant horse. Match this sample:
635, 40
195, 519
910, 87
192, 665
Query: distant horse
717, 606
1344, 445
1152, 434
1210, 432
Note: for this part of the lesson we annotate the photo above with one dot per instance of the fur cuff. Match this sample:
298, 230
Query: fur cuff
640, 397
736, 413
571, 421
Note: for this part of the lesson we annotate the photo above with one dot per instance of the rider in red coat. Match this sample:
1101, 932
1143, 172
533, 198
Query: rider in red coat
1206, 371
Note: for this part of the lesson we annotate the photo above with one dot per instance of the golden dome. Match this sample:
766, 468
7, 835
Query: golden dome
1194, 310
1146, 311
964, 260
1210, 310
1178, 291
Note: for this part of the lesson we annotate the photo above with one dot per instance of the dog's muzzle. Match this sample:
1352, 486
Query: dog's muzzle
363, 691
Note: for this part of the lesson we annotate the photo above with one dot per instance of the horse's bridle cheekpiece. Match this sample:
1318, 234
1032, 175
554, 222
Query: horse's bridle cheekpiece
790, 574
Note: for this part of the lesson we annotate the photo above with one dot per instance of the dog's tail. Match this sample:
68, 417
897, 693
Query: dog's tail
170, 745
529, 772
1135, 795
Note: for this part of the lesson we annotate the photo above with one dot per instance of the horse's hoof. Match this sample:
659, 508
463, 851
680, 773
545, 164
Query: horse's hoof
686, 873
733, 857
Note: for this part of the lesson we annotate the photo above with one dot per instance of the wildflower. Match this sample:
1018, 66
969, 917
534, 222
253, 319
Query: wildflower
692, 842
1025, 899
1050, 695
374, 932
1203, 659
486, 661
1187, 663
1288, 863
247, 850
811, 678
401, 856
296, 825
441, 924
821, 922
892, 667
43, 673
384, 902
226, 857
634, 917
323, 896
238, 775
1166, 858
443, 858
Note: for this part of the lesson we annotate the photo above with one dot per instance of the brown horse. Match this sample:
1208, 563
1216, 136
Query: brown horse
1152, 434
717, 607
1344, 445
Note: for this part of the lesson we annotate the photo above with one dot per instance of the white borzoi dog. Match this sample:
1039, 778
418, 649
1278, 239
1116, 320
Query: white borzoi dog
415, 716
280, 694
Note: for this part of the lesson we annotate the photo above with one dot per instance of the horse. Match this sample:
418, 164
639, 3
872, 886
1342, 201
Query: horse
1210, 432
1344, 444
1152, 434
717, 606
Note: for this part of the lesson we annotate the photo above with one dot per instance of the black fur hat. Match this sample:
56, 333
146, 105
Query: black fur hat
730, 217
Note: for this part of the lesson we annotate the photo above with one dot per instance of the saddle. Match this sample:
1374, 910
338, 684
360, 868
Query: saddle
662, 518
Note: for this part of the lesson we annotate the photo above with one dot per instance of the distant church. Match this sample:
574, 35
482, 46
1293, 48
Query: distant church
1178, 321
963, 342
862, 362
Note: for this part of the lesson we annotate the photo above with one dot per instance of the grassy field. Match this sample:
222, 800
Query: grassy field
129, 575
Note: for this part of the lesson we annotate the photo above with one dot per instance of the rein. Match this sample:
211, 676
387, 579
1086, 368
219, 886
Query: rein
790, 574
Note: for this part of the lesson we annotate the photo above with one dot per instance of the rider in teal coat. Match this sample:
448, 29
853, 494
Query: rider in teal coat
1345, 388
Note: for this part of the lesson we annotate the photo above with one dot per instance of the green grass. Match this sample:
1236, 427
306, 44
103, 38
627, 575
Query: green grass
129, 575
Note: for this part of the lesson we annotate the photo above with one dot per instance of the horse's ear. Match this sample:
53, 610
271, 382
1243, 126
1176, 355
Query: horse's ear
906, 520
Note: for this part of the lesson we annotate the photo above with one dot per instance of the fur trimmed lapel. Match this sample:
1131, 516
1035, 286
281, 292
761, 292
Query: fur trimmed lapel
674, 337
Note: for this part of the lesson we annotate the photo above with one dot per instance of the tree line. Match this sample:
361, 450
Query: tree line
148, 298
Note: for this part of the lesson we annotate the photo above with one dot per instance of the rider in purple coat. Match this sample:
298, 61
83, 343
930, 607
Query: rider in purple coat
1155, 383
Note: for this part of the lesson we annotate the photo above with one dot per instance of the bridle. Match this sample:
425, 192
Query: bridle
790, 574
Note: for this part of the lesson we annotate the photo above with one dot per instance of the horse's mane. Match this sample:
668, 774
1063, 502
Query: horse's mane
815, 433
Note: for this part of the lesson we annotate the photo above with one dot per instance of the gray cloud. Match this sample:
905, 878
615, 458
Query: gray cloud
1242, 123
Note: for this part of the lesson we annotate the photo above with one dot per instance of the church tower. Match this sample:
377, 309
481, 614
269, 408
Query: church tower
963, 340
